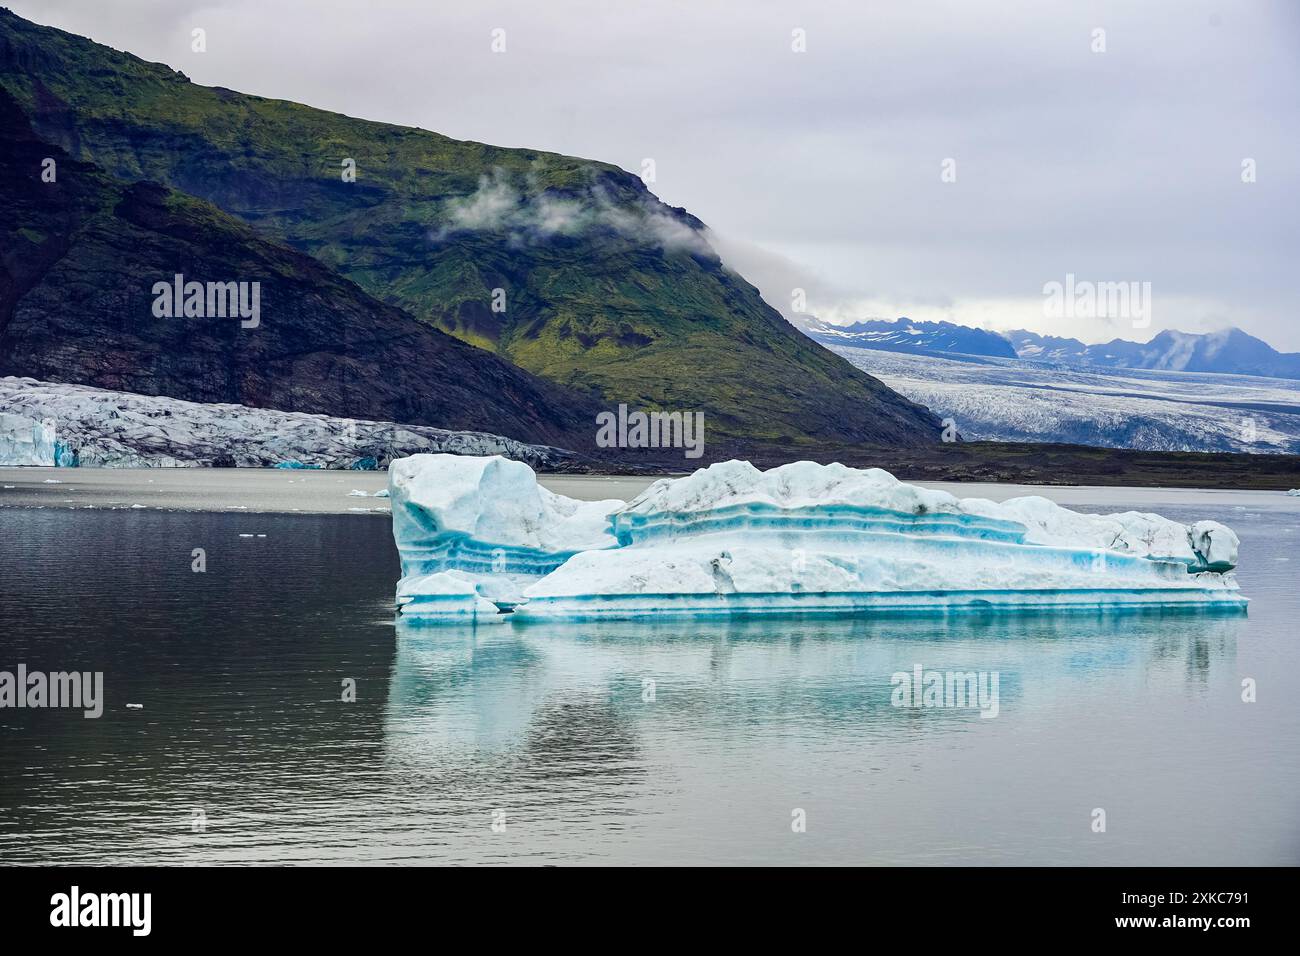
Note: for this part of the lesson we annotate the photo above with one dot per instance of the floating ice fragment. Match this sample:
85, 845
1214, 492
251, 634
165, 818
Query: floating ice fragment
731, 539
447, 595
490, 519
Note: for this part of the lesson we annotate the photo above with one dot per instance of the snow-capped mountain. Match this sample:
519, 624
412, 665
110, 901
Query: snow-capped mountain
1230, 351
904, 335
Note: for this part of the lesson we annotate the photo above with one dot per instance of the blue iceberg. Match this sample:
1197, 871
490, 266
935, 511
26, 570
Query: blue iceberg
731, 539
489, 521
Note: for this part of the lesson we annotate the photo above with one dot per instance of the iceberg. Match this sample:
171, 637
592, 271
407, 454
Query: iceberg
488, 519
804, 537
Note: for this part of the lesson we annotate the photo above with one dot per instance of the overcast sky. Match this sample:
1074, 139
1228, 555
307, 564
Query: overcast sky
823, 169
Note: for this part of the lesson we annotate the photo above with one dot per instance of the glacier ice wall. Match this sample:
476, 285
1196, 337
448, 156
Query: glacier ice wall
103, 428
26, 441
732, 539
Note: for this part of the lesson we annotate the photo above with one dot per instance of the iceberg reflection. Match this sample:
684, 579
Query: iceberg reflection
465, 693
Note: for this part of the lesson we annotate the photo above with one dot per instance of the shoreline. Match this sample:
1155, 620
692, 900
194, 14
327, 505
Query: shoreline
242, 490
276, 491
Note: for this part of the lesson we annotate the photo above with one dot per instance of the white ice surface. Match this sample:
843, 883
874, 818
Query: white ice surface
447, 595
489, 518
1013, 400
791, 492
124, 430
25, 441
733, 539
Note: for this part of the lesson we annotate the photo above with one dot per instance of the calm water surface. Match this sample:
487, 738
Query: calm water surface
243, 729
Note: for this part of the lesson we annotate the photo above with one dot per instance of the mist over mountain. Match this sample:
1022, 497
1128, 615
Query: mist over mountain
568, 268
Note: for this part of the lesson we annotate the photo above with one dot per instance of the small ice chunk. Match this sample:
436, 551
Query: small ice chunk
447, 596
1215, 545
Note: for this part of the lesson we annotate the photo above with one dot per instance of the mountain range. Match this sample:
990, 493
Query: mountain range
904, 335
383, 246
1230, 351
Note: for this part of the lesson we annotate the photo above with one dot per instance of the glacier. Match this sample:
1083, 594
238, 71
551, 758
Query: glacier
479, 539
1000, 399
26, 441
110, 429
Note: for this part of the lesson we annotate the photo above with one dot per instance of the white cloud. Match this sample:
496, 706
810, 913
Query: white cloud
1119, 166
531, 215
491, 206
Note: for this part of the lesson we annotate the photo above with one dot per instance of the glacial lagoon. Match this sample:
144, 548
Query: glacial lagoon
671, 741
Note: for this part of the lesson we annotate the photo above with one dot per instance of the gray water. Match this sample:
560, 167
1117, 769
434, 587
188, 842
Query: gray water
244, 751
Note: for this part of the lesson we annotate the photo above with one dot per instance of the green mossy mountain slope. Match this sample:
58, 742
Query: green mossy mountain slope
80, 255
606, 289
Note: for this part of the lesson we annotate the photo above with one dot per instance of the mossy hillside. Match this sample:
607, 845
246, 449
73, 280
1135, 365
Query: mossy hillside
608, 307
80, 256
